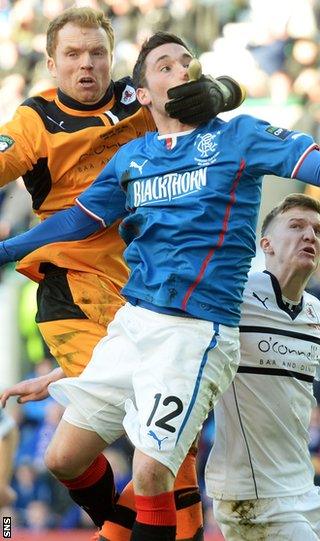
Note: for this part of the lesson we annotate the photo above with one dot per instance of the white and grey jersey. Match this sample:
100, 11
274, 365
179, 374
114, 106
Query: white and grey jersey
261, 442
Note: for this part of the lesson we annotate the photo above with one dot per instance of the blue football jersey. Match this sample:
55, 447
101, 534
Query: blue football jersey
192, 201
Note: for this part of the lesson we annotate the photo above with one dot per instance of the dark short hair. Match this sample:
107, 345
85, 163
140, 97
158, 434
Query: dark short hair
157, 39
85, 17
289, 202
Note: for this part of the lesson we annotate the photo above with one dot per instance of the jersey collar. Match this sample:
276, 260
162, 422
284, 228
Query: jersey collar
78, 106
292, 312
171, 138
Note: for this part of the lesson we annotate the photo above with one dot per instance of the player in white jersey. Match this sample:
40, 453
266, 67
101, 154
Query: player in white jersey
259, 471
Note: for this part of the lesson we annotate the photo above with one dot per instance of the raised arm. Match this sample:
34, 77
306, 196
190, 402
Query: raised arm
70, 224
99, 206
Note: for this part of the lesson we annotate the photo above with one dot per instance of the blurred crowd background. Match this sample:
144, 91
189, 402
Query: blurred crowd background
273, 49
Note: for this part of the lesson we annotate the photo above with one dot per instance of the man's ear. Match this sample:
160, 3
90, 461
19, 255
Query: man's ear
266, 245
143, 96
51, 66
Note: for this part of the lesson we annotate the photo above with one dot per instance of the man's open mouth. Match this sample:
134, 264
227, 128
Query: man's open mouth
309, 250
86, 80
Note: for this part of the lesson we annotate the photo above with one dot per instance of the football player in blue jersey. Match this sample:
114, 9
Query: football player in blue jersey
189, 197
75, 129
259, 471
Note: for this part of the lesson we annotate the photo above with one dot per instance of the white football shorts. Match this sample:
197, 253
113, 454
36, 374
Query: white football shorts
155, 375
289, 518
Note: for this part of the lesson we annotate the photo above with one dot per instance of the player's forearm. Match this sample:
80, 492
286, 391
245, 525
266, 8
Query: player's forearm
67, 225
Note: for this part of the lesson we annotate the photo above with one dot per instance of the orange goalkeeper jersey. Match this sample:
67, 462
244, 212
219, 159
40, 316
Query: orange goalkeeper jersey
59, 146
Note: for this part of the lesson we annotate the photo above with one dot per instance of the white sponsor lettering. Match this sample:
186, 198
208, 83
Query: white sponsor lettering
169, 186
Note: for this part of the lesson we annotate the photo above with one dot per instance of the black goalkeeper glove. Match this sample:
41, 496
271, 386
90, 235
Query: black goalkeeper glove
201, 100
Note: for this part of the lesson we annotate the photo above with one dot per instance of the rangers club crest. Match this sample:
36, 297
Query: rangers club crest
206, 146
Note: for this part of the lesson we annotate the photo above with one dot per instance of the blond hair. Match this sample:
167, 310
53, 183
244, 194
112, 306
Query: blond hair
291, 201
83, 17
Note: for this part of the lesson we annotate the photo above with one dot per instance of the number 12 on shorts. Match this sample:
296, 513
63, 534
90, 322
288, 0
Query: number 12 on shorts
176, 407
